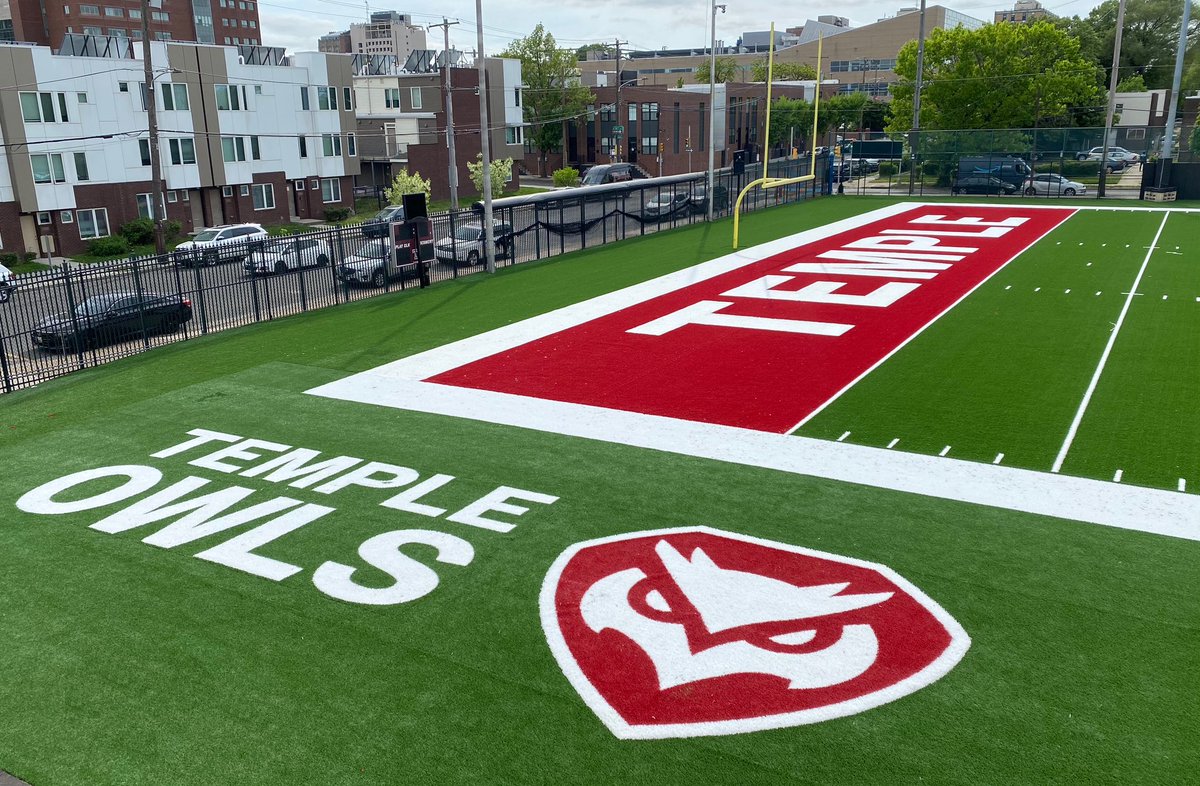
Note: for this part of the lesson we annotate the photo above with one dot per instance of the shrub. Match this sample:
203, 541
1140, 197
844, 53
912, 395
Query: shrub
567, 176
172, 229
29, 256
8, 260
335, 214
887, 168
112, 246
1078, 168
138, 232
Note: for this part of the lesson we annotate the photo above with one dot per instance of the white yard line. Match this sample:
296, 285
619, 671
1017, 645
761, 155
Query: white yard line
1112, 339
892, 444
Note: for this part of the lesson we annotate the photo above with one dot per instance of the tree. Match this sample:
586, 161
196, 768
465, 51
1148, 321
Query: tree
1148, 41
501, 172
782, 72
405, 183
999, 76
1194, 141
726, 71
582, 52
552, 94
1132, 84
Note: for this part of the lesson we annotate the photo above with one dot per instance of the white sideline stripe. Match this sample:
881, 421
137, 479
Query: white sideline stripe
1117, 475
998, 459
892, 444
1182, 484
1078, 499
1112, 339
844, 435
945, 450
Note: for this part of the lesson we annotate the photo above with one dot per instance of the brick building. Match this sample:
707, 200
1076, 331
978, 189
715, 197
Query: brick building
228, 22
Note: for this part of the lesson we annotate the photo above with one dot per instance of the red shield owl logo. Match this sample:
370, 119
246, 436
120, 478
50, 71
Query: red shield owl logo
695, 631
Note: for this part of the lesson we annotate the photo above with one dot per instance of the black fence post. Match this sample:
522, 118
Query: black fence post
4, 365
201, 300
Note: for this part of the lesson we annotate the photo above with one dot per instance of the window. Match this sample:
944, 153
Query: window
123, 87
255, 153
172, 196
649, 145
44, 218
162, 36
47, 167
632, 113
183, 151
67, 217
391, 97
331, 145
81, 97
303, 97
231, 97
233, 148
89, 10
513, 135
145, 206
160, 16
316, 185
298, 185
327, 98
351, 148
81, 168
650, 111
303, 146
1135, 133
175, 97
347, 98
517, 96
331, 190
226, 191
144, 149
264, 196
244, 190
110, 11
39, 108
414, 95
93, 222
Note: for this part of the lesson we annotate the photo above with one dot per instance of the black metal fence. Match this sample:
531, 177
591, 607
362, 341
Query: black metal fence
68, 318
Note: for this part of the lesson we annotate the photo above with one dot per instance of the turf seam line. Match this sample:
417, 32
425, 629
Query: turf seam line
1112, 340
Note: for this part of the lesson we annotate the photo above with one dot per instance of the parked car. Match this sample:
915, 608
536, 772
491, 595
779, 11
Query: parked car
287, 253
466, 244
611, 173
1129, 157
982, 184
699, 197
377, 225
1053, 185
666, 204
375, 264
7, 284
103, 319
225, 243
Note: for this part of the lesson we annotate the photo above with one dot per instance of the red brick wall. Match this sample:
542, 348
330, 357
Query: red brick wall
27, 20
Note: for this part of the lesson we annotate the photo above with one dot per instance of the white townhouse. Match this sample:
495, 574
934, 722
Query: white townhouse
245, 134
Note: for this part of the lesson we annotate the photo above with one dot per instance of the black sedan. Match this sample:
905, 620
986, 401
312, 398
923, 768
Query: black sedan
103, 319
982, 184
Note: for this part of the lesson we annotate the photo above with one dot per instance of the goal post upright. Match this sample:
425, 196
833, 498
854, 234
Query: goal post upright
766, 181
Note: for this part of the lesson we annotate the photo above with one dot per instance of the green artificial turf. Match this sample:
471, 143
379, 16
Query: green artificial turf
128, 663
1006, 369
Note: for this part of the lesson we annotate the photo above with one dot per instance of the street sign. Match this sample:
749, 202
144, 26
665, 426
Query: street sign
618, 129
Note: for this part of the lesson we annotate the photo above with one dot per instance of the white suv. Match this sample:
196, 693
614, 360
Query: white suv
220, 244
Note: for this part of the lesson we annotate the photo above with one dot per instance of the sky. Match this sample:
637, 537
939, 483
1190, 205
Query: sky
642, 24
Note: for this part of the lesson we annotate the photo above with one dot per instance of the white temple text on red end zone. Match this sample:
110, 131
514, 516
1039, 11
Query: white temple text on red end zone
908, 253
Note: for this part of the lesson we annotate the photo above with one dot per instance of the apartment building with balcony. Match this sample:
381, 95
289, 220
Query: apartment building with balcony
245, 134
402, 121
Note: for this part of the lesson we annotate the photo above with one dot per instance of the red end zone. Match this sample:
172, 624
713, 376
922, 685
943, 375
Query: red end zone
764, 346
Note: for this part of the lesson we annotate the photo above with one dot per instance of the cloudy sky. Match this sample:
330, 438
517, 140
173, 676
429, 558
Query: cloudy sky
296, 24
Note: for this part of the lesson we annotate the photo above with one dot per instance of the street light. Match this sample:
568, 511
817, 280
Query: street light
712, 108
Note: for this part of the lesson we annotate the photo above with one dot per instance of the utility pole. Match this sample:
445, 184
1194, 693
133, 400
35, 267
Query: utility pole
914, 142
1112, 96
619, 141
485, 133
445, 25
1168, 148
156, 198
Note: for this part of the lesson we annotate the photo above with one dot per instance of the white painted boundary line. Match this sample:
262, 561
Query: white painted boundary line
1112, 339
1097, 502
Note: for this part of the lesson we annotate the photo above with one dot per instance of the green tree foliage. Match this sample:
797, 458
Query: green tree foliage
1194, 142
726, 71
793, 118
782, 72
1147, 43
1132, 84
501, 172
998, 76
567, 177
405, 183
552, 94
582, 52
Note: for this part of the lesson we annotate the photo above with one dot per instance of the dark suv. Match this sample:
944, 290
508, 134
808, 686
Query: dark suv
611, 173
377, 225
103, 319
